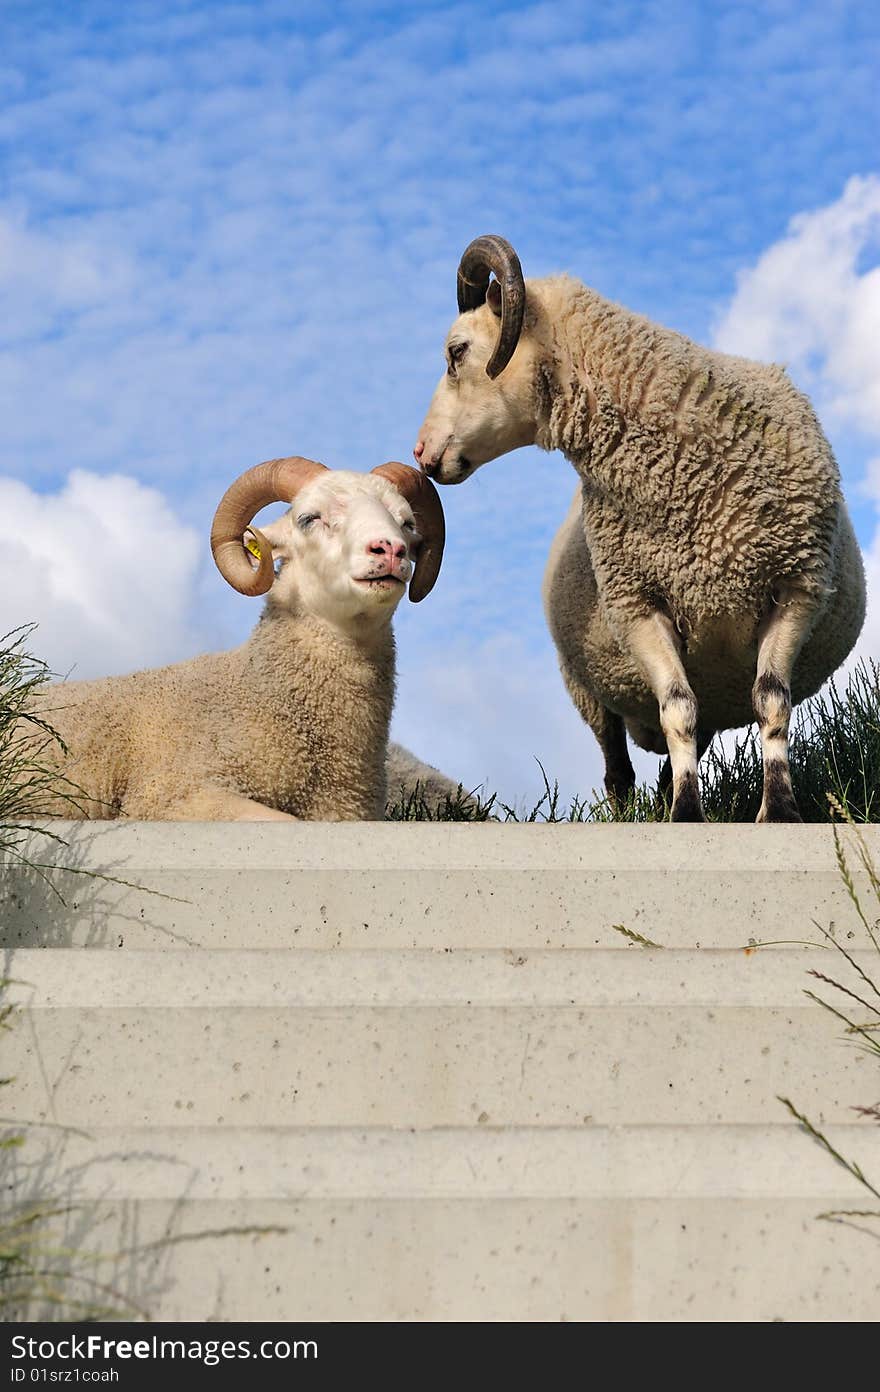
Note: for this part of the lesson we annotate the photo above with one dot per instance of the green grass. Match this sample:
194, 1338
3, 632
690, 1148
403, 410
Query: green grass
855, 1003
30, 750
34, 1276
38, 1279
413, 805
834, 749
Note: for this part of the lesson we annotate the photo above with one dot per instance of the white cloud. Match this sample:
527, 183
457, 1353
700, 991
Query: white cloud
47, 276
868, 645
812, 303
104, 568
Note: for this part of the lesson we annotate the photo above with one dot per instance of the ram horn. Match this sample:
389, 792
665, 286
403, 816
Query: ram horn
485, 256
276, 481
424, 500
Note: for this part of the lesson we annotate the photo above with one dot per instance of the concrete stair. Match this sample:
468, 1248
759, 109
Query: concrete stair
417, 1072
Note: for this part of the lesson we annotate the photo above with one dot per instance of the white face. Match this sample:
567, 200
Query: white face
473, 418
347, 547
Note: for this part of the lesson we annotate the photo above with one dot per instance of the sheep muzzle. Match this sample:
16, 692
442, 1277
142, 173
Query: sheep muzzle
424, 500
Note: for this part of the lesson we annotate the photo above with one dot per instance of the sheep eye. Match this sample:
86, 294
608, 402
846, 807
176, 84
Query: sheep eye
408, 526
306, 520
457, 352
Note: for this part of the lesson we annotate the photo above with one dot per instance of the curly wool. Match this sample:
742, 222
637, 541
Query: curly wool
707, 479
296, 718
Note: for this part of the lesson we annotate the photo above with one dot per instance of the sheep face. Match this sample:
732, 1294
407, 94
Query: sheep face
346, 548
473, 418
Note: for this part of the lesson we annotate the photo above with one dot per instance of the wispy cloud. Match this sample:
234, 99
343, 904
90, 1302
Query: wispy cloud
277, 202
230, 232
106, 570
813, 301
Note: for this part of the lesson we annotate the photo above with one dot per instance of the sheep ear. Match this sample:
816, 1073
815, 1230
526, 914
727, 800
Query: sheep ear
277, 534
493, 298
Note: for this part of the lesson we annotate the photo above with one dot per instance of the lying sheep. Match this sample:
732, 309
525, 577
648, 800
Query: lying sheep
708, 569
294, 723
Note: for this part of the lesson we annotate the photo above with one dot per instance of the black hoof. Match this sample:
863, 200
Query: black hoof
686, 806
619, 793
780, 812
778, 804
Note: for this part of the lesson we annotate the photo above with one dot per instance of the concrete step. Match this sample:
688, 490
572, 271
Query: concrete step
595, 978
709, 1161
427, 1066
645, 1260
387, 885
638, 1224
418, 1072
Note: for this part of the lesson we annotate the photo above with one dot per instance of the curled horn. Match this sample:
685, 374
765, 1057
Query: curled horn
424, 500
277, 481
485, 256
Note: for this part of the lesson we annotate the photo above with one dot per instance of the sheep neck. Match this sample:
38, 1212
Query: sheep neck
585, 363
334, 693
360, 646
318, 666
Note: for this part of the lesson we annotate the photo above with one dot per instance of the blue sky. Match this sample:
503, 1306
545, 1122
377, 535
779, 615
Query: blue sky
229, 232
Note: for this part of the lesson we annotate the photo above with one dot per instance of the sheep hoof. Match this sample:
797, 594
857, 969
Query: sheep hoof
781, 811
619, 793
687, 814
686, 805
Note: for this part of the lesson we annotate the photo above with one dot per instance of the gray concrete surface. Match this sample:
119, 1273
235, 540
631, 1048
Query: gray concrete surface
417, 1072
424, 1066
431, 885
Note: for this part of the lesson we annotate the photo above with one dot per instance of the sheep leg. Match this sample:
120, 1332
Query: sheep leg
656, 646
214, 804
779, 641
664, 782
620, 776
248, 811
610, 731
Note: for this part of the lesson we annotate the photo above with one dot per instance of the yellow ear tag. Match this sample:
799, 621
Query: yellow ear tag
253, 548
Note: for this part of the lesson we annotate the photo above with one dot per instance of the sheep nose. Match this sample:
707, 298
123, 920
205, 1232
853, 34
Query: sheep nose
392, 550
428, 466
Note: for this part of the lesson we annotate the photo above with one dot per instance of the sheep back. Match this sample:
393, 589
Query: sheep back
706, 478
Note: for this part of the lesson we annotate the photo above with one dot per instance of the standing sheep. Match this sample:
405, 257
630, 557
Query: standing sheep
708, 568
294, 723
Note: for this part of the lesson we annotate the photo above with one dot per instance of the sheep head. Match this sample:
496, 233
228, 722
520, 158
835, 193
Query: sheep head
484, 403
348, 544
